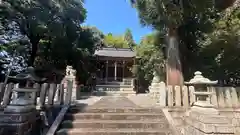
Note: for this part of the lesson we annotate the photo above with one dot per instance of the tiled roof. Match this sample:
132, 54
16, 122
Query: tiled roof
115, 52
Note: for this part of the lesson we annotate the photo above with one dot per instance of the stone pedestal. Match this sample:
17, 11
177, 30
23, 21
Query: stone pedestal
74, 87
20, 116
71, 76
199, 123
20, 123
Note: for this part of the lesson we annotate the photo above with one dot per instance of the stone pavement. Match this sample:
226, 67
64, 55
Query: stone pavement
141, 100
89, 100
114, 102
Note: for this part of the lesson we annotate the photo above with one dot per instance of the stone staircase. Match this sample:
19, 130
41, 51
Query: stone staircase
114, 116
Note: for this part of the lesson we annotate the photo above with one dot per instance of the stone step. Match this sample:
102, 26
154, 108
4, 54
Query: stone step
115, 124
116, 116
114, 110
80, 131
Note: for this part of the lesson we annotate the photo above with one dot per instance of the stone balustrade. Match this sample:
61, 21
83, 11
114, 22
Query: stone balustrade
185, 96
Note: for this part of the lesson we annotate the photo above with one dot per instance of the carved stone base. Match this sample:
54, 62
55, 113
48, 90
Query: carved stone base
154, 90
16, 128
154, 87
192, 131
17, 118
17, 123
19, 109
199, 123
203, 104
207, 111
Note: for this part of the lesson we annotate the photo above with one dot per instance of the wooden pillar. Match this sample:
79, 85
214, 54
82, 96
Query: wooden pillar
134, 64
123, 69
106, 76
115, 70
100, 71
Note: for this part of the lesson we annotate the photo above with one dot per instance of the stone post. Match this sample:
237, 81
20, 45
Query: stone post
203, 118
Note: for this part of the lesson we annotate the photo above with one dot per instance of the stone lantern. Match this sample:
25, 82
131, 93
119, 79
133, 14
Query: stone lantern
203, 118
26, 94
203, 96
19, 117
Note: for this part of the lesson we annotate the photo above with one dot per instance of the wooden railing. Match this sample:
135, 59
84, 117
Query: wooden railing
52, 101
183, 96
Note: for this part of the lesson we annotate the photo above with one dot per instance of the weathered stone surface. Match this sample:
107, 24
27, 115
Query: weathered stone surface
114, 102
117, 124
17, 123
19, 109
236, 114
116, 116
210, 119
17, 128
163, 94
113, 132
192, 131
191, 95
178, 98
228, 97
234, 98
170, 95
221, 98
17, 118
185, 96
203, 124
211, 128
214, 97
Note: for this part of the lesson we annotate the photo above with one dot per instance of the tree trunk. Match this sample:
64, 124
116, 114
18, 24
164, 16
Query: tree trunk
33, 51
173, 63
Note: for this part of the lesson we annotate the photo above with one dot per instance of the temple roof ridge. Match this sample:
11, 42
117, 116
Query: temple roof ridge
115, 52
116, 48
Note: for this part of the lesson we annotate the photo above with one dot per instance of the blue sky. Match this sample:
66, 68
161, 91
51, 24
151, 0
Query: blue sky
114, 16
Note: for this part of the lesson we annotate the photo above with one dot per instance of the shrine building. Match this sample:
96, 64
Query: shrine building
114, 64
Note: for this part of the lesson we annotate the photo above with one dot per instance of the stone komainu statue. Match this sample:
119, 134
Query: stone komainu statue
70, 71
